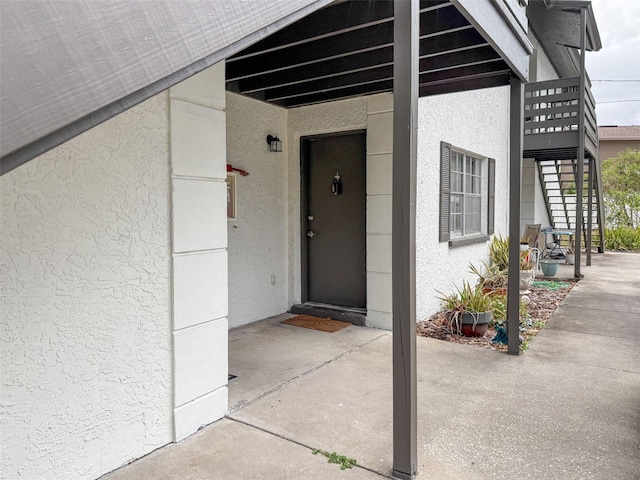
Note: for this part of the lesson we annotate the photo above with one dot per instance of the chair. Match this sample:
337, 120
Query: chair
533, 236
531, 233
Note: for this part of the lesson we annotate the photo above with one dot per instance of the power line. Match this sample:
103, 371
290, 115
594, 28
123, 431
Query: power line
621, 101
618, 81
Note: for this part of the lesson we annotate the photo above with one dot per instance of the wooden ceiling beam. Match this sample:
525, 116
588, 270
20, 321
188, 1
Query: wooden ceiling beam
472, 82
346, 17
380, 74
337, 66
368, 40
349, 92
331, 83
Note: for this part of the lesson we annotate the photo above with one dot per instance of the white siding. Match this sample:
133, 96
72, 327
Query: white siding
199, 226
86, 315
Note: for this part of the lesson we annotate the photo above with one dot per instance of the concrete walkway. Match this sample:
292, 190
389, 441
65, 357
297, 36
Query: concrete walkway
569, 408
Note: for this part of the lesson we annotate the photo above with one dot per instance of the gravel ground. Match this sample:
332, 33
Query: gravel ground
545, 298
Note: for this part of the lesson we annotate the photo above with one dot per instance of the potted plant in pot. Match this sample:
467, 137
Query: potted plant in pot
468, 310
549, 267
570, 254
499, 254
527, 275
491, 279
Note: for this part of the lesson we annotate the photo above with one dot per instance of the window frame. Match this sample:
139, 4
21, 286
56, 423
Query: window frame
487, 197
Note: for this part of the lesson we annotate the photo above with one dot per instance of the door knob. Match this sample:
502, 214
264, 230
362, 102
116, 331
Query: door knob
310, 234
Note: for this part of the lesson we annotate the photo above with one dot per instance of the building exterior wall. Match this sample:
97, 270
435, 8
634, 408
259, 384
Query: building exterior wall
86, 314
475, 122
544, 68
249, 122
199, 253
258, 246
373, 113
533, 209
612, 148
114, 288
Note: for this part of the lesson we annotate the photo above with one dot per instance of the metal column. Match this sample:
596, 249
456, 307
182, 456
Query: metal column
516, 132
590, 209
580, 153
405, 125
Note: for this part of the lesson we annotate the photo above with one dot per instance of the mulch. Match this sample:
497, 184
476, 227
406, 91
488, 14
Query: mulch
544, 301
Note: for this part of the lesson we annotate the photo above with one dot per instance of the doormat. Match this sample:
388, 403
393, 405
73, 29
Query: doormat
316, 323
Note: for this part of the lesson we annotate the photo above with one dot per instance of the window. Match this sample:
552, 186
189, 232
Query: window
467, 192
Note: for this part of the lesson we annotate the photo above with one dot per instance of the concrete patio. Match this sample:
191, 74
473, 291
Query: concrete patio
568, 408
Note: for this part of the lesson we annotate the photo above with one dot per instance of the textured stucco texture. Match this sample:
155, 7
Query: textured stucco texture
258, 248
85, 325
477, 122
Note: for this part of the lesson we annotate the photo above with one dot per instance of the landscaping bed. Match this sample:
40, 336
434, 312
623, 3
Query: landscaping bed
545, 298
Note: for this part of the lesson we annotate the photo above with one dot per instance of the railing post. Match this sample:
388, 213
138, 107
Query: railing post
403, 237
516, 132
580, 152
590, 210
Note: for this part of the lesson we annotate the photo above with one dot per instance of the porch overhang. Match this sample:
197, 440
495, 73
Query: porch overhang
346, 50
68, 66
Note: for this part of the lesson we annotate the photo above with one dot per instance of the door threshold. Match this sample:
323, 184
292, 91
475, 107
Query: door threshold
356, 316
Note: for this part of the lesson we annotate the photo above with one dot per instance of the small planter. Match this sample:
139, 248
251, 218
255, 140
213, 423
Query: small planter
470, 324
526, 279
570, 258
549, 268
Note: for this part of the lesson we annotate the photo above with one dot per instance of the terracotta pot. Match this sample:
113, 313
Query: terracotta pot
494, 292
470, 324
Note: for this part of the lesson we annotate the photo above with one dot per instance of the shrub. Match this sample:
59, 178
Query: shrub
622, 238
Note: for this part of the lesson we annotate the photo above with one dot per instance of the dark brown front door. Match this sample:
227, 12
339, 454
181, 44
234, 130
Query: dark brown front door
334, 220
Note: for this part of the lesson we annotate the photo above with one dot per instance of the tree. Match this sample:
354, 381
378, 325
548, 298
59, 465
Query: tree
621, 189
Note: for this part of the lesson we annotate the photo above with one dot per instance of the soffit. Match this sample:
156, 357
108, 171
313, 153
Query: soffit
346, 50
557, 25
69, 65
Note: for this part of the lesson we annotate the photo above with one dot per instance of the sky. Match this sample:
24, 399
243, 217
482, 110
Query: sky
619, 59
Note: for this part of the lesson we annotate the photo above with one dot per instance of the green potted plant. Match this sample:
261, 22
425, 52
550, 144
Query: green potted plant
499, 254
570, 254
491, 279
468, 310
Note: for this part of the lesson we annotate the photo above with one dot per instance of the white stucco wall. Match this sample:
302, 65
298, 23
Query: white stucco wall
545, 70
533, 209
85, 346
258, 238
477, 122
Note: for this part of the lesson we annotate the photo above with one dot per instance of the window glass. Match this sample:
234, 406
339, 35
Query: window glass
466, 194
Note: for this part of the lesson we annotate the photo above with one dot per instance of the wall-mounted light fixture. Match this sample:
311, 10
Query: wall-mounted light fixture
275, 145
